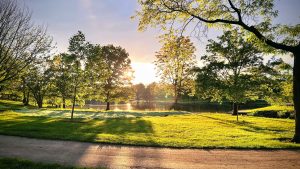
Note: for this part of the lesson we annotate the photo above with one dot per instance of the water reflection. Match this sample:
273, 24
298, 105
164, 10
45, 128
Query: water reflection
163, 106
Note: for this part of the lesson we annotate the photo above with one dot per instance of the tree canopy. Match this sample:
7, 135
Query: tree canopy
175, 62
20, 40
229, 70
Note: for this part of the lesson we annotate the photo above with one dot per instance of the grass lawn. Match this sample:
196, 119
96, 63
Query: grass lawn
12, 105
167, 129
13, 163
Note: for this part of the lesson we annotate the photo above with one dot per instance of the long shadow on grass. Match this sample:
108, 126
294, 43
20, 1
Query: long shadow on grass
248, 126
126, 125
78, 129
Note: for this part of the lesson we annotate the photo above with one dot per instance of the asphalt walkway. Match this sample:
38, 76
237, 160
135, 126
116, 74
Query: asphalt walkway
115, 156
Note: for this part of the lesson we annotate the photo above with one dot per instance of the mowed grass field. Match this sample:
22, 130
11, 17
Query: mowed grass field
166, 129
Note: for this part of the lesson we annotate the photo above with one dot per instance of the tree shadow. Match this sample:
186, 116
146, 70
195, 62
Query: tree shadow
87, 131
78, 129
126, 125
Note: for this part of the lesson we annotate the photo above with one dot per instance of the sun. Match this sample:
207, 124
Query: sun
144, 73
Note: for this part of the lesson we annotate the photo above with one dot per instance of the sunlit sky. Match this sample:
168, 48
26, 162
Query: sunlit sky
108, 22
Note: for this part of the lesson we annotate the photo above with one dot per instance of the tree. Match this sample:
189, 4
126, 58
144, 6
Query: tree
253, 16
60, 67
228, 70
139, 92
78, 48
38, 82
95, 74
174, 63
150, 92
20, 41
117, 72
278, 89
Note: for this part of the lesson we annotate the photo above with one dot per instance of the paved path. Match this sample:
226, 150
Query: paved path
110, 156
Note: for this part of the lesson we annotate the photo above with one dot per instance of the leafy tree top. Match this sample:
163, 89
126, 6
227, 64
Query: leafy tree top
254, 16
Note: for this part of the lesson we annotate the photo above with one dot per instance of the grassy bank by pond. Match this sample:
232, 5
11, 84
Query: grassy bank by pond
205, 130
150, 128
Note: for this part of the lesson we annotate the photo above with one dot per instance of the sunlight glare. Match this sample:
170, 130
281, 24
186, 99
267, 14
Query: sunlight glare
144, 73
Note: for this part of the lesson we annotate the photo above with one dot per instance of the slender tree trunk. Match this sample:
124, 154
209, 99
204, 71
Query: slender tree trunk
74, 100
75, 89
235, 110
64, 102
296, 95
24, 97
107, 100
107, 105
175, 94
27, 99
39, 101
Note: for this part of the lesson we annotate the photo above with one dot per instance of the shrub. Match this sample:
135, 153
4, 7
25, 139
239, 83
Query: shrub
275, 114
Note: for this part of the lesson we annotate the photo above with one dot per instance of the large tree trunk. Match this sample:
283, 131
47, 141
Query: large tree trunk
235, 111
107, 105
39, 101
64, 102
40, 104
234, 108
26, 98
296, 95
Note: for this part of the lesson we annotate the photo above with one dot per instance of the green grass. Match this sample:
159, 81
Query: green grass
10, 105
166, 129
13, 163
205, 130
94, 114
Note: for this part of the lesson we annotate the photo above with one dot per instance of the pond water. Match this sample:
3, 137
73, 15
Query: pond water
163, 106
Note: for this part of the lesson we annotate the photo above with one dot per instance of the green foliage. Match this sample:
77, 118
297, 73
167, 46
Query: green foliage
174, 63
229, 70
117, 72
279, 89
62, 78
21, 41
38, 81
140, 91
109, 74
79, 48
254, 16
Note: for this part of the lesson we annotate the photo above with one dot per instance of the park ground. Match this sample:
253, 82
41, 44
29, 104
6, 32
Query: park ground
68, 153
172, 129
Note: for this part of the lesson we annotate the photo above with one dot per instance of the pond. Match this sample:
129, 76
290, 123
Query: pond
163, 106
